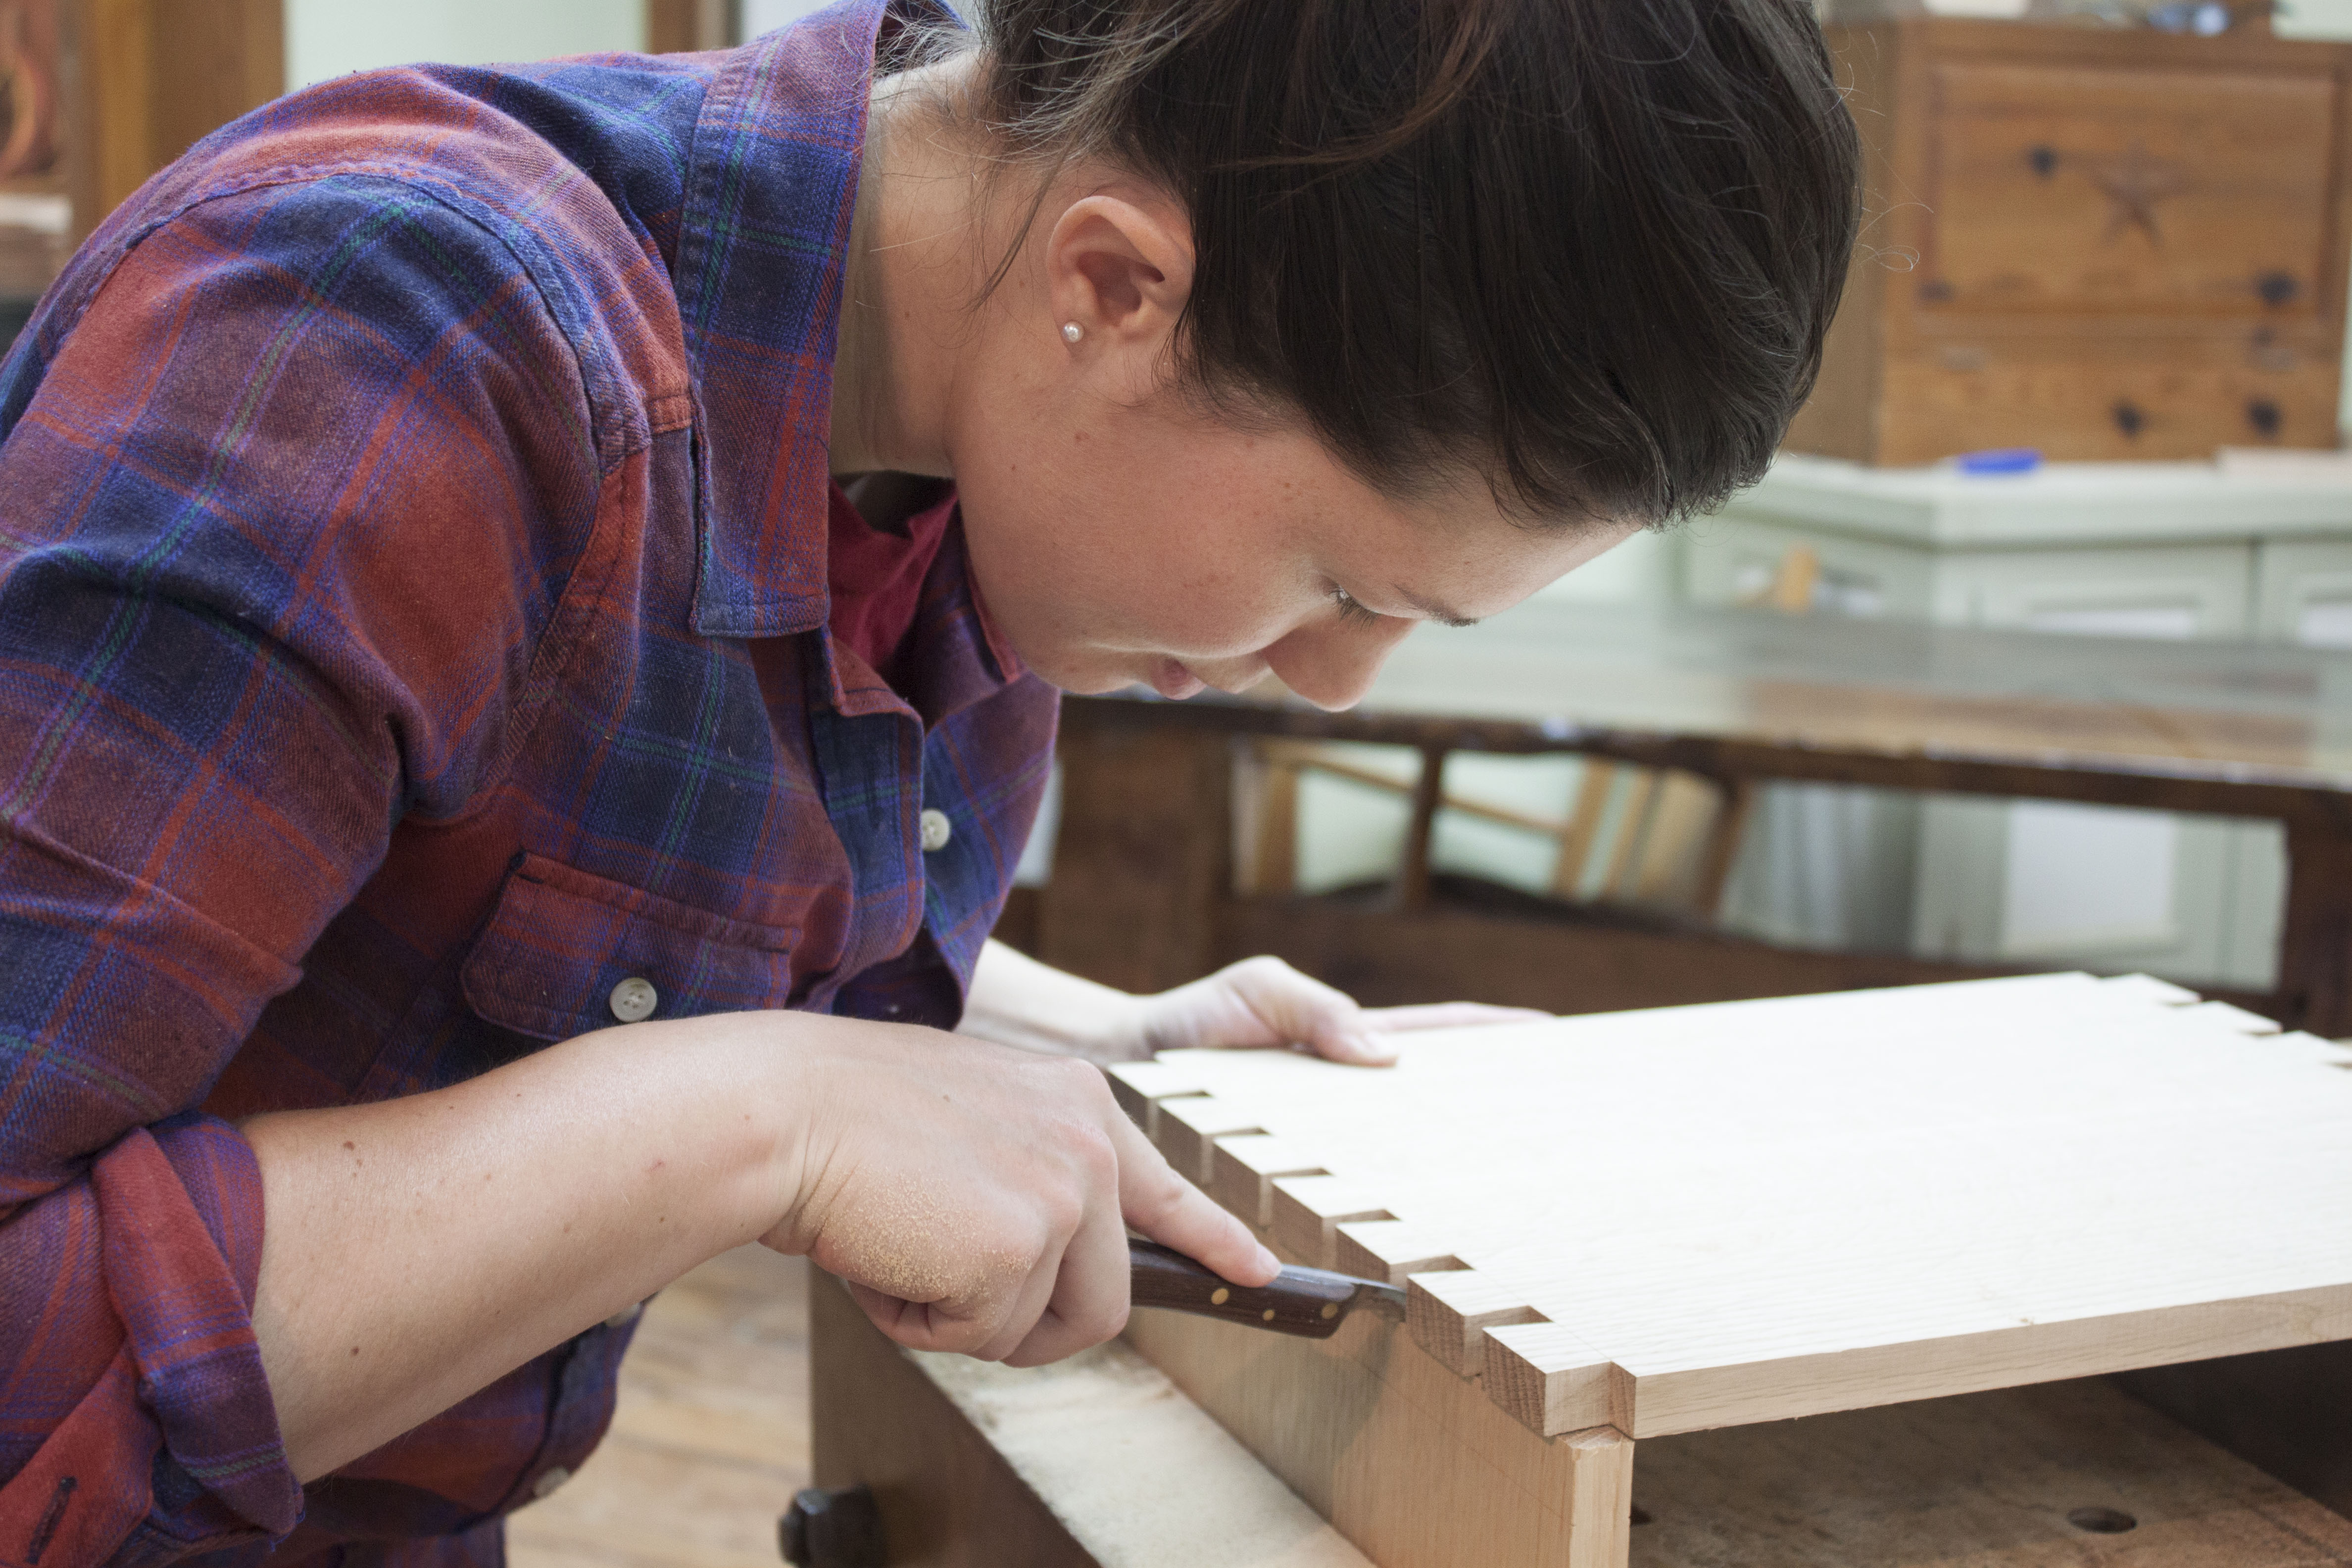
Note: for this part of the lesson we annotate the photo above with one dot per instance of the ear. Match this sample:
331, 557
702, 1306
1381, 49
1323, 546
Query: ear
1122, 270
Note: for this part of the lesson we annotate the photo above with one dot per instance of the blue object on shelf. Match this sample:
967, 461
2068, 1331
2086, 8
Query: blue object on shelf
2000, 460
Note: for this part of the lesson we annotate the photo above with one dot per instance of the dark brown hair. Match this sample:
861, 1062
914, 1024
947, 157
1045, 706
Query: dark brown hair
1585, 249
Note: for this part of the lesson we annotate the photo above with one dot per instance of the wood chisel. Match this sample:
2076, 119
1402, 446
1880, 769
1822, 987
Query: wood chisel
1309, 1303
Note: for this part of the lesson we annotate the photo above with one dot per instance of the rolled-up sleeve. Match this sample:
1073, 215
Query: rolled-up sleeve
286, 496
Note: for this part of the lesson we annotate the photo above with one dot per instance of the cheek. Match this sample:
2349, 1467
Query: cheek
1107, 555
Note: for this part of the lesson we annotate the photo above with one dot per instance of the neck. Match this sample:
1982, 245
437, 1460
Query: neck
909, 288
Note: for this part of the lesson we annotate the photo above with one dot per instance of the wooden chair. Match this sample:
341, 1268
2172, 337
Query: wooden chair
1655, 838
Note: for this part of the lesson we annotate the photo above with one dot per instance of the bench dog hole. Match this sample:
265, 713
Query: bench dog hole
2101, 1520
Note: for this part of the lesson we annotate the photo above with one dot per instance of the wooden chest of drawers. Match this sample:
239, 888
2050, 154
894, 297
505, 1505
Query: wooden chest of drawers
2103, 244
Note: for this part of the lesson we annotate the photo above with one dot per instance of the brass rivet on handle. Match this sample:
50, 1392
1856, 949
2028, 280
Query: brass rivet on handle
1267, 1314
1219, 1296
1330, 1309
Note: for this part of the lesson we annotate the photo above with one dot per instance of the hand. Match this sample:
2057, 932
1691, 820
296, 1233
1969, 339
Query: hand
977, 1198
1263, 1002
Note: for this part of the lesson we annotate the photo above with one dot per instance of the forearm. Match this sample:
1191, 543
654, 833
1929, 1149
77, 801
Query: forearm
1016, 1001
415, 1250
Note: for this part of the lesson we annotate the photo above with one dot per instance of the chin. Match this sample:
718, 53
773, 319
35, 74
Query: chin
1080, 679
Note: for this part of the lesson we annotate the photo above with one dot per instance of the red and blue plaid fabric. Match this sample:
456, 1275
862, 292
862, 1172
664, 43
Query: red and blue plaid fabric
413, 622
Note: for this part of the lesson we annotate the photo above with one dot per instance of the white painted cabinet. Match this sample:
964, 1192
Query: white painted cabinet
2171, 551
2303, 593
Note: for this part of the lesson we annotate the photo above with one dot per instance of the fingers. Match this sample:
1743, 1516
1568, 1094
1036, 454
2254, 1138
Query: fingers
1172, 1211
1295, 1006
986, 1212
1032, 1303
1090, 1299
1446, 1016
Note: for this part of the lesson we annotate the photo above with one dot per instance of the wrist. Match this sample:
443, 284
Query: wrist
1016, 1001
1125, 1029
772, 1085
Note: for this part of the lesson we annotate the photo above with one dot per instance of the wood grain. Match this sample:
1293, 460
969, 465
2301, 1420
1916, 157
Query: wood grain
150, 76
679, 26
1980, 1480
709, 1438
946, 1498
2101, 242
1401, 1454
2283, 1411
1093, 1462
1150, 816
712, 1437
1139, 897
1726, 1214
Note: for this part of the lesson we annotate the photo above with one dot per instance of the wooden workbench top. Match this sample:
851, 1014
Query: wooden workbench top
1552, 674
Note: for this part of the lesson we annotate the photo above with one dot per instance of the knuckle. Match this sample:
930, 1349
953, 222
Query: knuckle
1064, 1209
1092, 1147
1103, 1323
1078, 1080
1159, 1195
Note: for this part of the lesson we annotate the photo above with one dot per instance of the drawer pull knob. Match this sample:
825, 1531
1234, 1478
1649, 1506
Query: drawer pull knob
2129, 419
2277, 288
2043, 157
2265, 417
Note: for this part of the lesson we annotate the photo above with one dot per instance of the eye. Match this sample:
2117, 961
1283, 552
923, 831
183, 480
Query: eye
1352, 609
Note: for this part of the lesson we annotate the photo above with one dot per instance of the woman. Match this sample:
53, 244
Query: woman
488, 824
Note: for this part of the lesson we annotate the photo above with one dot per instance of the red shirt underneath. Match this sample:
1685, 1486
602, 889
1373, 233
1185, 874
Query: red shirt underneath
876, 578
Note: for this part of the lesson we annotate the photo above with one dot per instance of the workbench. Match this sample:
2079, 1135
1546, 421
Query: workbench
1846, 1273
1142, 893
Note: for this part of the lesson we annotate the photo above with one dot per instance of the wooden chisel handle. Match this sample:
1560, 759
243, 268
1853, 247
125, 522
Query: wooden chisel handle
1307, 1302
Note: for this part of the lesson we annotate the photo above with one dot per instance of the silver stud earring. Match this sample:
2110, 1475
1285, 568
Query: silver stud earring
1072, 332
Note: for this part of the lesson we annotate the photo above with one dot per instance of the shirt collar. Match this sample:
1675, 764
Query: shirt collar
770, 189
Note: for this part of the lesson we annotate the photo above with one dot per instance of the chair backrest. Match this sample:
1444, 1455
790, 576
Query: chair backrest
1646, 837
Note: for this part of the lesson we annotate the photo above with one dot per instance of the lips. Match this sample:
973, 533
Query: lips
1174, 681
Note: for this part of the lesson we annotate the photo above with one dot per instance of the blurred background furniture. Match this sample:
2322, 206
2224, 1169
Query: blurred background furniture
1144, 891
147, 77
1644, 838
2104, 243
2247, 549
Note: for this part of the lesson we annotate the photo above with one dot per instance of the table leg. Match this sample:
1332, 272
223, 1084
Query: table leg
1144, 856
946, 1496
2316, 946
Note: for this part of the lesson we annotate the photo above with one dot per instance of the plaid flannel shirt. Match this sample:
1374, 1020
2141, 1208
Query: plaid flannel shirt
413, 623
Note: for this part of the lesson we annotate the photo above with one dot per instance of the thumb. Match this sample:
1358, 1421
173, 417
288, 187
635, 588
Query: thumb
1326, 1020
1336, 1029
1355, 1048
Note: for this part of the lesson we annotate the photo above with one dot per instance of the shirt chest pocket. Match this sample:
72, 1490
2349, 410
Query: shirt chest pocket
567, 951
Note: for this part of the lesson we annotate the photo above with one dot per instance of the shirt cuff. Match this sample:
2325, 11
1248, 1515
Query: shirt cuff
177, 1441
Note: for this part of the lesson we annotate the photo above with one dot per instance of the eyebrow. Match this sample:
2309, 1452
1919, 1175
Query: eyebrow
1436, 611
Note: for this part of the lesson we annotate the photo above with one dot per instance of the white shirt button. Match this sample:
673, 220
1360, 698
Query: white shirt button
549, 1481
937, 830
633, 999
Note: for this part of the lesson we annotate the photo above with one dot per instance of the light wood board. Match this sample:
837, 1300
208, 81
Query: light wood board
1093, 1462
1401, 1454
1685, 1218
1421, 1472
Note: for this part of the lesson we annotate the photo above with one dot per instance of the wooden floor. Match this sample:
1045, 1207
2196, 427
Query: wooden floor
710, 1439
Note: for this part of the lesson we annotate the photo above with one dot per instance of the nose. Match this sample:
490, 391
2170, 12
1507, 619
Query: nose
1333, 666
